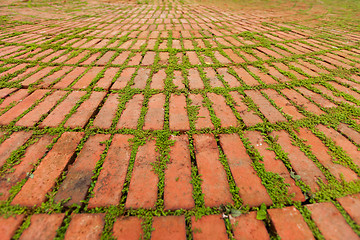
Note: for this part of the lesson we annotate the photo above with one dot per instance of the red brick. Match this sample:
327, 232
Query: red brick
321, 152
178, 188
351, 204
211, 75
214, 186
345, 90
267, 79
119, 60
35, 189
330, 222
316, 97
148, 59
245, 76
302, 165
265, 107
47, 81
91, 59
131, 113
154, 119
17, 110
141, 78
85, 226
178, 80
81, 117
110, 183
230, 79
124, 78
78, 178
210, 227
143, 175
70, 77
15, 97
32, 154
301, 101
105, 58
289, 224
60, 112
283, 103
127, 228
105, 82
272, 164
204, 120
331, 94
77, 58
275, 73
222, 110
31, 118
343, 142
178, 119
250, 188
8, 226
221, 58
158, 80
164, 58
249, 117
247, 227
193, 58
135, 60
43, 226
107, 112
88, 77
195, 81
169, 227
350, 133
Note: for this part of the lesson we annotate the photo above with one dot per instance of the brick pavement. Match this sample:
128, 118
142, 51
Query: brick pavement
169, 119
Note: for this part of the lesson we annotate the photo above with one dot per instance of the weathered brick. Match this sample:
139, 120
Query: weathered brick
341, 141
210, 227
178, 188
247, 227
215, 186
169, 227
109, 185
8, 226
35, 189
158, 80
250, 188
60, 112
222, 110
127, 228
70, 77
143, 175
351, 204
330, 222
321, 152
301, 101
265, 107
43, 226
154, 119
289, 224
178, 119
78, 178
85, 226
17, 110
272, 164
123, 79
302, 165
31, 118
249, 117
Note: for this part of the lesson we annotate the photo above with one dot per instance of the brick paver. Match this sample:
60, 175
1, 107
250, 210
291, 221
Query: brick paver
177, 119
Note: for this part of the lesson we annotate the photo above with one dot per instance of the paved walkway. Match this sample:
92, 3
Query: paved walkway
175, 121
